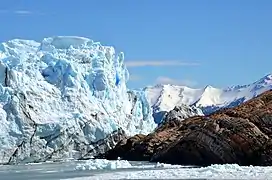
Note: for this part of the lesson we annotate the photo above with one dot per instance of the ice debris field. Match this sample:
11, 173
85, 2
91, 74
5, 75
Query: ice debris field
121, 169
60, 95
167, 171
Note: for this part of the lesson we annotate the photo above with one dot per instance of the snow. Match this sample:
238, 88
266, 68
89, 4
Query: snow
166, 97
166, 171
163, 98
60, 95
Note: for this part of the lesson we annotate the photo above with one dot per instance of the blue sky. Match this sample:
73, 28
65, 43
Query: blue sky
188, 42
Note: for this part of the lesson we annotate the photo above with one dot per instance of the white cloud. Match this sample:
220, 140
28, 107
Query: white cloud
167, 80
159, 63
18, 12
22, 12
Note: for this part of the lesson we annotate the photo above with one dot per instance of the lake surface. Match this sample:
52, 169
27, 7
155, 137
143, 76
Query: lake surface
59, 170
103, 169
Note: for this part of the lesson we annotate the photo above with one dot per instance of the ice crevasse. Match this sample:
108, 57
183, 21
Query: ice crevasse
60, 97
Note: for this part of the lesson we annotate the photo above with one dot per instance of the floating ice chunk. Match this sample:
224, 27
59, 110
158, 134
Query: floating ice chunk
103, 164
163, 165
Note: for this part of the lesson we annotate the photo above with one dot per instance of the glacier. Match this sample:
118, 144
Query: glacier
65, 97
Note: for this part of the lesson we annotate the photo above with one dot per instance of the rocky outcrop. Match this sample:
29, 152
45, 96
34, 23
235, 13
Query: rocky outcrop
183, 111
180, 113
241, 135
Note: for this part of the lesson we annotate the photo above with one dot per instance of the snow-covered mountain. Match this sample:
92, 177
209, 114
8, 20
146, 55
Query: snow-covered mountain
60, 98
164, 98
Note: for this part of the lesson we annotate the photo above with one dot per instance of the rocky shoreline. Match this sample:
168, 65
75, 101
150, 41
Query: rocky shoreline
240, 135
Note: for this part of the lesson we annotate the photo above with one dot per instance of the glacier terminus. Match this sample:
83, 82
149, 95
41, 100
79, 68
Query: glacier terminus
65, 97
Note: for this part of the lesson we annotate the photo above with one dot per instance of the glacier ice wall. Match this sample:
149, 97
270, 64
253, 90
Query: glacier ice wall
60, 96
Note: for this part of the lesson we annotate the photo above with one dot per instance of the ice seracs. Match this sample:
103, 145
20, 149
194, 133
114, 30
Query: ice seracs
60, 97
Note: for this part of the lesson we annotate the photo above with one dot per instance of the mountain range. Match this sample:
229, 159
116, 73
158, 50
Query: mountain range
164, 98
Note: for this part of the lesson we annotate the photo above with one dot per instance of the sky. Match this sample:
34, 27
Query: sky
183, 42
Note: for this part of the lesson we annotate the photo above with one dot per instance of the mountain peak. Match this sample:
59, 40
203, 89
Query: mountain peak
207, 87
265, 80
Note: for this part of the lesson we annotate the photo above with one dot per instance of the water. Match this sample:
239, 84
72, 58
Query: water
80, 170
58, 170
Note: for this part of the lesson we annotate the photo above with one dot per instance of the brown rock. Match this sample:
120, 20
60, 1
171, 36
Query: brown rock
241, 135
